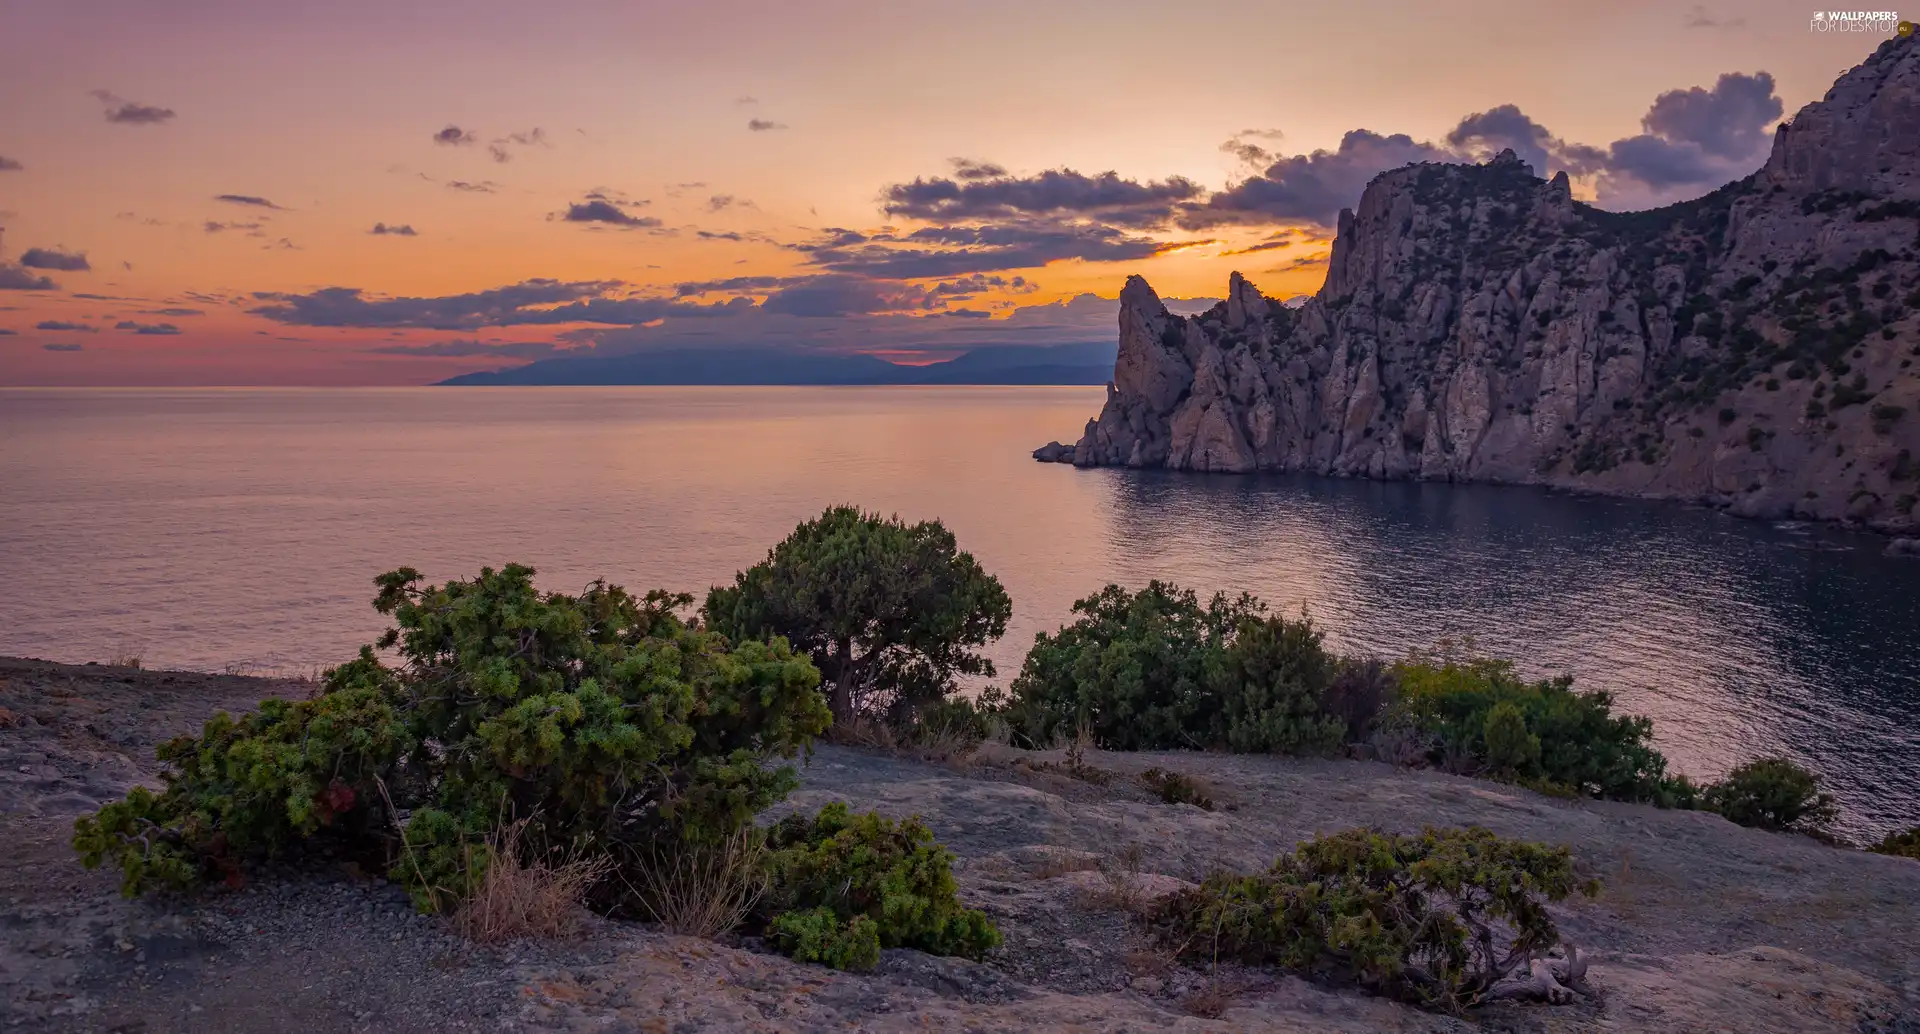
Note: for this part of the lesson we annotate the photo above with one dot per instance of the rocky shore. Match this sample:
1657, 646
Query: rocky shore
1701, 926
1755, 350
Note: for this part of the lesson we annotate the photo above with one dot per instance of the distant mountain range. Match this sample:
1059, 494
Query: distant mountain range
1089, 363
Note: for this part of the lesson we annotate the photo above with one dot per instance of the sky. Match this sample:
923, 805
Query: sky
207, 192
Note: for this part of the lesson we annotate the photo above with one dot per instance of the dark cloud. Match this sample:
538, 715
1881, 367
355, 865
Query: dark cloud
709, 235
16, 278
1728, 121
732, 284
64, 346
969, 170
482, 187
212, 226
1273, 241
64, 325
969, 314
1250, 146
9, 165
247, 199
470, 347
1105, 198
760, 125
394, 230
98, 297
349, 307
453, 136
126, 112
4, 332
54, 258
148, 329
722, 202
1310, 188
605, 212
172, 312
946, 251
500, 148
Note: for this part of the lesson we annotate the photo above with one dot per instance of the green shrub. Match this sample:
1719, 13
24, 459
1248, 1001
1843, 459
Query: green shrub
1905, 844
1271, 687
1772, 793
1510, 747
605, 723
1156, 670
888, 611
1138, 669
1581, 744
821, 935
844, 886
1416, 918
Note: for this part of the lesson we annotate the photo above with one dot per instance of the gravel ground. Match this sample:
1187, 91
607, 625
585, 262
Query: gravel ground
1704, 926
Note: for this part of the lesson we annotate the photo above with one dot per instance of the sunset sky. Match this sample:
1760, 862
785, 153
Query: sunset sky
358, 192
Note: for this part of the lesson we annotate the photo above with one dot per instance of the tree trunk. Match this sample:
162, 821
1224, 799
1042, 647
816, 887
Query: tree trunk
842, 701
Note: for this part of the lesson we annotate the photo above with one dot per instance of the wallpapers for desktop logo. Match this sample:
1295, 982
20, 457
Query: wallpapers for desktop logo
1883, 22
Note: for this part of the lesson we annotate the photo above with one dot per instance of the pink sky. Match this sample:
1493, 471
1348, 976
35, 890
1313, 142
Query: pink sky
216, 163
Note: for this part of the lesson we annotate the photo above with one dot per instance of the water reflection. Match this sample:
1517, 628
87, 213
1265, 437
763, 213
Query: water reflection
205, 528
1738, 639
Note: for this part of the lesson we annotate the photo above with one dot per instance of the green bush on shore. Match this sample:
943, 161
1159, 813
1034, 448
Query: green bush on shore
1416, 918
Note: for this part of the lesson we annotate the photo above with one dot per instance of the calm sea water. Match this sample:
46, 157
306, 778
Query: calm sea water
216, 529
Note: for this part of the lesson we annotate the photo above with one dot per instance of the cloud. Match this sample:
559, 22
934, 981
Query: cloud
64, 346
500, 148
282, 244
54, 258
247, 199
482, 187
349, 306
968, 169
148, 329
4, 332
395, 230
722, 202
126, 112
172, 312
945, 251
16, 278
9, 165
211, 226
1105, 197
605, 212
1242, 145
63, 325
1694, 139
760, 125
1310, 188
453, 136
469, 347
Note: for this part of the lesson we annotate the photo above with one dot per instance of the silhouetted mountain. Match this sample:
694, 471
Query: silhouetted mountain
1011, 364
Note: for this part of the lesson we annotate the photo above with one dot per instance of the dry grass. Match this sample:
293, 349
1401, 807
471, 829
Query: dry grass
938, 744
702, 891
1059, 862
1212, 1001
125, 655
518, 898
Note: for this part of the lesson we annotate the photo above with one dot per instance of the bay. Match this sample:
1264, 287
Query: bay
240, 529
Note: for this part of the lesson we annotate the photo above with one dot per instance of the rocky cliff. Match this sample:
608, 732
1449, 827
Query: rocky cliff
1755, 348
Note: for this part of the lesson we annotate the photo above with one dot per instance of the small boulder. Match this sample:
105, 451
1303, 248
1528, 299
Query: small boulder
1054, 452
1904, 547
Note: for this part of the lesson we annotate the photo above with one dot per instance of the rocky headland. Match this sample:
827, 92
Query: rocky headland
1701, 925
1756, 349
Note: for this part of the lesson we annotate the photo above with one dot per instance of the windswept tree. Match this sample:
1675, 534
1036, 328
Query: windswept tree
889, 611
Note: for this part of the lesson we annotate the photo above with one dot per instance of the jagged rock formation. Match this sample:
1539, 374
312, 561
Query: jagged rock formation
1755, 348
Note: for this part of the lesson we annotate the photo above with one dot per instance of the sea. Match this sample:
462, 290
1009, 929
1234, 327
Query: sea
241, 529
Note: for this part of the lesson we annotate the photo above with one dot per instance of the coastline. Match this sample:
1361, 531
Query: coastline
1702, 924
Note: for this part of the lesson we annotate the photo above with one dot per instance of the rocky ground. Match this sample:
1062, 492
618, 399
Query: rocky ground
1702, 926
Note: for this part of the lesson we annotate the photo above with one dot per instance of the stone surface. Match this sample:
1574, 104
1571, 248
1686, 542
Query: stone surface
1757, 349
1701, 925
